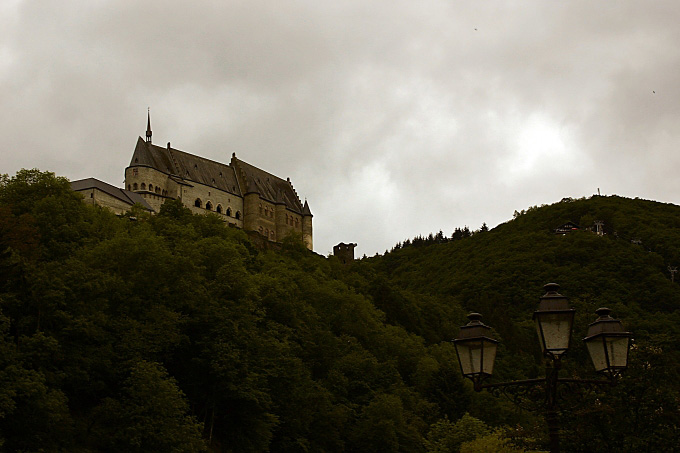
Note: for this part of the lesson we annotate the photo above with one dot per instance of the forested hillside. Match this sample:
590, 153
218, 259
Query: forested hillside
174, 332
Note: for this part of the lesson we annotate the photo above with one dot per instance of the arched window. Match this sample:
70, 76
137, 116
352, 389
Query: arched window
134, 186
229, 212
158, 189
129, 187
219, 209
238, 215
197, 203
266, 232
260, 208
208, 206
296, 223
150, 188
271, 234
143, 186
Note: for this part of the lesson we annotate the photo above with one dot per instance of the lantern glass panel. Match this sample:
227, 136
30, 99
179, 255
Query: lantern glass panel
489, 356
554, 330
469, 356
476, 356
596, 349
617, 349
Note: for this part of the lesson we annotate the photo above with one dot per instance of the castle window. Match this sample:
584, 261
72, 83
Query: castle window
134, 186
195, 167
208, 206
229, 212
266, 232
134, 172
136, 160
158, 189
296, 223
271, 235
129, 187
197, 203
260, 208
260, 230
213, 181
143, 187
219, 209
150, 188
238, 215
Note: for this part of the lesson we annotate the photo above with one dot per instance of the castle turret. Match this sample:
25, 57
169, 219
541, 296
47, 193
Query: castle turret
307, 226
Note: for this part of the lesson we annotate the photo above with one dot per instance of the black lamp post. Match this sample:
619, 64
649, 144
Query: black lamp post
608, 345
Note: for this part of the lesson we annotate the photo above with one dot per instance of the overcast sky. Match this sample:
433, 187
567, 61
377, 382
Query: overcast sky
393, 118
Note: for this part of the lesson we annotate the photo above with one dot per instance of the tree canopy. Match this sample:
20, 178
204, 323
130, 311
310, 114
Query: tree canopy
173, 332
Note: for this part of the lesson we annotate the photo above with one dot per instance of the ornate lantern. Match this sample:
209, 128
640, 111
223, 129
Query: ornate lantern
554, 320
476, 349
608, 344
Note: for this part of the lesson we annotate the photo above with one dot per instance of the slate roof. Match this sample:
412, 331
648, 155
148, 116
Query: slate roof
186, 166
123, 195
189, 167
268, 186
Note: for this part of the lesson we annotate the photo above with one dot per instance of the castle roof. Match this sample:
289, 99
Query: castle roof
186, 166
268, 186
123, 195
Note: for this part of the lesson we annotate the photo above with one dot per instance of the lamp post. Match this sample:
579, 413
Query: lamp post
608, 345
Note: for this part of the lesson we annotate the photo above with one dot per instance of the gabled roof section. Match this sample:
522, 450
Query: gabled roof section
123, 195
149, 155
186, 166
268, 186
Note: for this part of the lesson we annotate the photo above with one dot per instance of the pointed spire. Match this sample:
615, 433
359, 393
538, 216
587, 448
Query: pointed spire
305, 209
148, 125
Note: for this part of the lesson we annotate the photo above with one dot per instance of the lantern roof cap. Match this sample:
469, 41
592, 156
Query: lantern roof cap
475, 329
606, 325
552, 301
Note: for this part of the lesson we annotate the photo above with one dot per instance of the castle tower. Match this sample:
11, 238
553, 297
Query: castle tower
307, 226
344, 252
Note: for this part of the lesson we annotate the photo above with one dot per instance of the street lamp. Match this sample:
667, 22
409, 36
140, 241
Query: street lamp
554, 320
608, 345
476, 349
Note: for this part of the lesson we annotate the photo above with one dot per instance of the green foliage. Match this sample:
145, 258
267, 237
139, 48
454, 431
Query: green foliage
173, 332
445, 436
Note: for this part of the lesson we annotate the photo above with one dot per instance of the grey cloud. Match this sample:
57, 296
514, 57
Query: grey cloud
393, 118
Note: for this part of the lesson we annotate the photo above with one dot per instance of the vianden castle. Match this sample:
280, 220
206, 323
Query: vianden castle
243, 195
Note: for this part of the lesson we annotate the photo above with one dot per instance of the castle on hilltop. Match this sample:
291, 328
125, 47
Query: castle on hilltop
242, 195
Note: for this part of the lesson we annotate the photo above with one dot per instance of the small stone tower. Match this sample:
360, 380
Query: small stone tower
344, 252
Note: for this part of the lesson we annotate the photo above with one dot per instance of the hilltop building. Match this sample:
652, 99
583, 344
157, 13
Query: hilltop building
100, 193
243, 195
344, 252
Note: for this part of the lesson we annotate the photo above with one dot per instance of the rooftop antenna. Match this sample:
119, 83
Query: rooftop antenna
148, 124
598, 191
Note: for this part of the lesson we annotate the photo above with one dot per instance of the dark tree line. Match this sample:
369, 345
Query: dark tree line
173, 332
